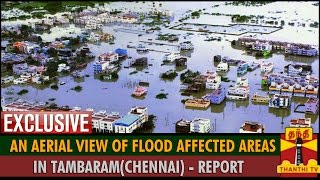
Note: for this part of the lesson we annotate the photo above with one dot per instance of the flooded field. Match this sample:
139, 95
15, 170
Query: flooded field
237, 29
225, 118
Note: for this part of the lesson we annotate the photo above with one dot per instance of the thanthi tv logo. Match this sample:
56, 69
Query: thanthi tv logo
298, 153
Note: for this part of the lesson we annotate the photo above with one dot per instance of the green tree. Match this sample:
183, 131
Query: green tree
54, 6
52, 52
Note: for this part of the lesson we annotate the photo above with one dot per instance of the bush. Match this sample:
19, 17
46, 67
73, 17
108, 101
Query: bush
23, 91
148, 126
184, 100
162, 96
186, 76
195, 13
77, 88
55, 87
31, 61
114, 75
169, 76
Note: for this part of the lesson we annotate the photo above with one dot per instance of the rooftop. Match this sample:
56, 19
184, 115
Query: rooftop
312, 100
252, 126
127, 120
183, 122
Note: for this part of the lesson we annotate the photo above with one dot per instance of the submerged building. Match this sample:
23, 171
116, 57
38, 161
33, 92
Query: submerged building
280, 101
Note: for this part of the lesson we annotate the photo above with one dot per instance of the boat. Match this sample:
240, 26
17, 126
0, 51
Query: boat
301, 122
251, 127
142, 48
139, 91
260, 99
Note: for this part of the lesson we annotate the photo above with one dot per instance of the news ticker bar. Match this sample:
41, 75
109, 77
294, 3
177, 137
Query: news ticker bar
140, 166
141, 144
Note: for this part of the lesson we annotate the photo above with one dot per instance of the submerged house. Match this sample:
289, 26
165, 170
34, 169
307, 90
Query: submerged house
200, 125
240, 91
261, 46
131, 121
64, 53
143, 61
122, 53
251, 127
182, 61
103, 122
223, 66
213, 81
183, 126
112, 57
242, 68
186, 46
280, 101
100, 66
216, 97
287, 87
301, 122
197, 103
312, 90
266, 67
295, 70
312, 105
301, 50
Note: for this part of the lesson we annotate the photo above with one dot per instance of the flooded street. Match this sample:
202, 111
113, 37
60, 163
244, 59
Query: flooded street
225, 118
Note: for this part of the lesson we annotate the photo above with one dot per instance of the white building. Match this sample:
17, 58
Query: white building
38, 79
112, 57
200, 125
242, 82
171, 56
103, 122
186, 46
22, 105
237, 93
260, 46
7, 79
20, 81
223, 66
213, 81
63, 67
266, 66
133, 120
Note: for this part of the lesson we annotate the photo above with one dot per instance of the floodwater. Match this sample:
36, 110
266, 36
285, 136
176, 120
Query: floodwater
225, 118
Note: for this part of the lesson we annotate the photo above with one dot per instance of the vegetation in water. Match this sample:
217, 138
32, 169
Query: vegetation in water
162, 96
54, 86
148, 126
77, 88
23, 91
169, 75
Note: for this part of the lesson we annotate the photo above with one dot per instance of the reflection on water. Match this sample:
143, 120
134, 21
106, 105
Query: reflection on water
281, 112
218, 108
313, 117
